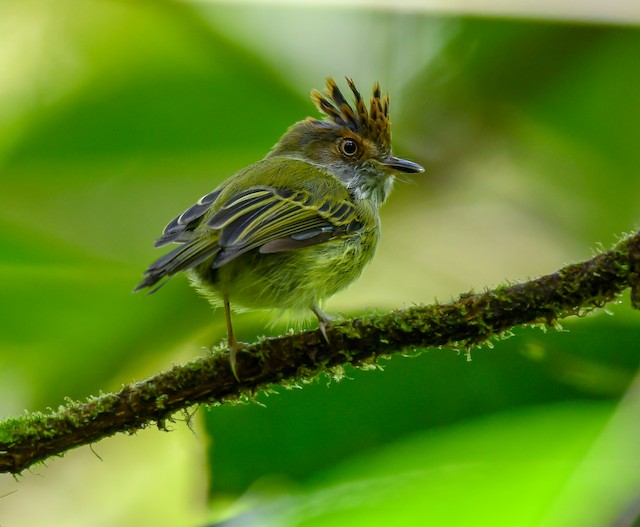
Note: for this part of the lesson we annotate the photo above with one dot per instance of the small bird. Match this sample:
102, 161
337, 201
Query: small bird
296, 227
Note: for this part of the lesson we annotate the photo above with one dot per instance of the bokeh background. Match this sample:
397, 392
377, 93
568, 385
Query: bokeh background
115, 116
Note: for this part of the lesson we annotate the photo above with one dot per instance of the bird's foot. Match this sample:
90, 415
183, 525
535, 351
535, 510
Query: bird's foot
324, 321
234, 347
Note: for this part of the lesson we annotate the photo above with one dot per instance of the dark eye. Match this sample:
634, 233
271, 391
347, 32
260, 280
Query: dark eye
348, 147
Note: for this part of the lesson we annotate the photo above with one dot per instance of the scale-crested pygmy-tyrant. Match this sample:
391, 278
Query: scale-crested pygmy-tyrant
293, 229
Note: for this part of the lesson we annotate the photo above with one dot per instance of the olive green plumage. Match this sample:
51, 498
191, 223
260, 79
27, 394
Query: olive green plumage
295, 228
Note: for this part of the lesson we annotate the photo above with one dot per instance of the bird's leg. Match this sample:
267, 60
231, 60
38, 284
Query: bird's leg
234, 345
324, 321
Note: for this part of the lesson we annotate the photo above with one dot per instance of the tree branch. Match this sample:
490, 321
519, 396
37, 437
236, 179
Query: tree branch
470, 320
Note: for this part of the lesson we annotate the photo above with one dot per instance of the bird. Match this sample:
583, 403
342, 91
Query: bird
296, 227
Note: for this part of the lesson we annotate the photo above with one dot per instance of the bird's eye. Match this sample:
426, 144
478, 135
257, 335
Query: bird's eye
348, 147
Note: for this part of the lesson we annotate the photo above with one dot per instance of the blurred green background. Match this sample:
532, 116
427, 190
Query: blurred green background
116, 116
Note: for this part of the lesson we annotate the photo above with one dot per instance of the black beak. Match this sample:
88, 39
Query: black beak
402, 165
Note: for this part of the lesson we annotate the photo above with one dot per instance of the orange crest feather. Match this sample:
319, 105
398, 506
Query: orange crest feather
372, 123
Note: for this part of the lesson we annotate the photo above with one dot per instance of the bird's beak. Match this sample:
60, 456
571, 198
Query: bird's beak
402, 165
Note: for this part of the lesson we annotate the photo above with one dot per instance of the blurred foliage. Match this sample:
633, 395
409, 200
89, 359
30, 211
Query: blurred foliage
116, 115
460, 475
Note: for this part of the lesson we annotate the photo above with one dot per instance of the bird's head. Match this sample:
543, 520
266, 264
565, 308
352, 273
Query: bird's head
352, 142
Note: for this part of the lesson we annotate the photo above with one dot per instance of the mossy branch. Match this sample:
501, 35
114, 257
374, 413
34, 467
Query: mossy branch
470, 320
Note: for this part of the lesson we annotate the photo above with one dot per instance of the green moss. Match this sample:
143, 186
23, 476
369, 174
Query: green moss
474, 320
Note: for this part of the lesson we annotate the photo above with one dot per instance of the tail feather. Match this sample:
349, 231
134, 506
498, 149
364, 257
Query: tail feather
180, 259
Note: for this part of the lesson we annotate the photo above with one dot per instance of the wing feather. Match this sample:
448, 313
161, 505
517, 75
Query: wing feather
263, 218
180, 229
180, 259
275, 220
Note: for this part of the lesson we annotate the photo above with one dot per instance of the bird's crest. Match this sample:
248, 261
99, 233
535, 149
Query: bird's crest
372, 123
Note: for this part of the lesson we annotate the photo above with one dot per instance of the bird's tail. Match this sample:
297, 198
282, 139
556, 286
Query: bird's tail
180, 259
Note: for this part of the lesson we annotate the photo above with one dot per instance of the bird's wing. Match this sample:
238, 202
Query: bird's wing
180, 229
237, 217
275, 220
192, 251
